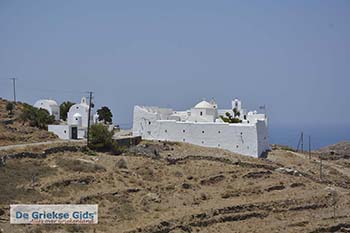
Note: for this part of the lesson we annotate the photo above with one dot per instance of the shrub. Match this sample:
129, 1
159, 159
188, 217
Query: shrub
230, 119
121, 163
36, 117
100, 138
10, 107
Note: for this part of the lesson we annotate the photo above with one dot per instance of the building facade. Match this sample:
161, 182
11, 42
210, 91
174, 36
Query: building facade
203, 125
77, 122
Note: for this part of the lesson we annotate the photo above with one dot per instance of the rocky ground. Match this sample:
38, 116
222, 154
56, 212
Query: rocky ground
12, 131
176, 187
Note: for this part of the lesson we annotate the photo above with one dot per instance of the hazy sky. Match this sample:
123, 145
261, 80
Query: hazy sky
292, 56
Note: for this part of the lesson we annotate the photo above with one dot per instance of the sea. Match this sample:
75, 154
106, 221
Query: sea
321, 135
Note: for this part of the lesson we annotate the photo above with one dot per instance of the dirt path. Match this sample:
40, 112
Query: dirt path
18, 146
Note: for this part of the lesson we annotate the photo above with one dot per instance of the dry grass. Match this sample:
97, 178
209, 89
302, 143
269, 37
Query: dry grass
151, 195
17, 132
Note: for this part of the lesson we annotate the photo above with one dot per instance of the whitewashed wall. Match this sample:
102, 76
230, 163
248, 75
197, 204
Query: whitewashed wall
83, 111
246, 139
62, 131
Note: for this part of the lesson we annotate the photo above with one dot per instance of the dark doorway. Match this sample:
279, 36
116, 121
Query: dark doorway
74, 133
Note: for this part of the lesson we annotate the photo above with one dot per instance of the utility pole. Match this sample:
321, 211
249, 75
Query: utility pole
301, 142
320, 168
88, 129
309, 147
14, 89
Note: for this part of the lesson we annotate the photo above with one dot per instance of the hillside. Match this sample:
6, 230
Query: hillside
12, 131
177, 187
336, 151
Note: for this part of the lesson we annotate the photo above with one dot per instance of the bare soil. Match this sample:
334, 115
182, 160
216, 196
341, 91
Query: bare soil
12, 131
177, 187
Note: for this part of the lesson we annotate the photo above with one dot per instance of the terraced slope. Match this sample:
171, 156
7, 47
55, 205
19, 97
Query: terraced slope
176, 187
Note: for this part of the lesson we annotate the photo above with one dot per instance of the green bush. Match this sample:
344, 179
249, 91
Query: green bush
10, 107
64, 108
230, 119
36, 117
100, 138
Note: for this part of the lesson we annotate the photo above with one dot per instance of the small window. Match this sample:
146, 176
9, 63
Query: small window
241, 133
183, 140
166, 130
77, 107
76, 119
202, 142
236, 146
219, 131
201, 113
65, 131
245, 117
183, 131
149, 122
203, 131
218, 145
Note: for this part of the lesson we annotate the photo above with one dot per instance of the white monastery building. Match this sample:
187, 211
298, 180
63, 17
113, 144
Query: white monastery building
202, 125
51, 106
77, 122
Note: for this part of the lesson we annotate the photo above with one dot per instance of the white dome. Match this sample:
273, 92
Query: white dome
52, 102
44, 102
204, 104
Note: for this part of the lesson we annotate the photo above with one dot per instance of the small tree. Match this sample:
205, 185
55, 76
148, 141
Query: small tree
43, 118
9, 107
64, 108
105, 115
100, 137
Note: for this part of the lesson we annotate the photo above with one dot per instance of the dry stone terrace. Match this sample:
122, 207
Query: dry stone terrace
178, 187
